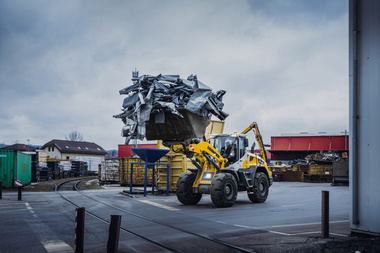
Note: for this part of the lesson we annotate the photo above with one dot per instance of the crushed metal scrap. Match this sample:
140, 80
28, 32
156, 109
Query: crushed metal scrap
168, 108
321, 158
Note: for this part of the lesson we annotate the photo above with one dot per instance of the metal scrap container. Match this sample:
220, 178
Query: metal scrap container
318, 173
320, 169
215, 127
178, 165
138, 172
340, 172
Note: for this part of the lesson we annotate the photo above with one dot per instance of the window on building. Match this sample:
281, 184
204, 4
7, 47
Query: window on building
49, 149
52, 149
67, 157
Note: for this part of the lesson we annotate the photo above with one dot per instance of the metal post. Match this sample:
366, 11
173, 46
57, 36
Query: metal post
145, 177
113, 235
325, 214
79, 230
1, 189
99, 172
130, 179
153, 179
168, 180
19, 193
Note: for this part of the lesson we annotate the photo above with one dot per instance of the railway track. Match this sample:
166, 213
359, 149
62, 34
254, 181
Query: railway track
220, 246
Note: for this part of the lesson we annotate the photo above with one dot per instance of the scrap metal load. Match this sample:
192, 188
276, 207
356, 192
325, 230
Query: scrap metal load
168, 108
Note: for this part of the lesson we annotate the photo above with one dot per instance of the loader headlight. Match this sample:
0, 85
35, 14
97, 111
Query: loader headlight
208, 176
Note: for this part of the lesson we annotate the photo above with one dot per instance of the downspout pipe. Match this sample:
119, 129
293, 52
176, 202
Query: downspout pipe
355, 114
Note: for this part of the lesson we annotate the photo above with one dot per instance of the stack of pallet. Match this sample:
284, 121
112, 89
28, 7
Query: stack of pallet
45, 174
79, 168
35, 167
53, 167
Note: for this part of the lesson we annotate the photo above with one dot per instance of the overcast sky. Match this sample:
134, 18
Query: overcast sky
283, 63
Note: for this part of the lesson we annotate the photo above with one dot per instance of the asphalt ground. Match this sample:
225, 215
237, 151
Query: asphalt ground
289, 221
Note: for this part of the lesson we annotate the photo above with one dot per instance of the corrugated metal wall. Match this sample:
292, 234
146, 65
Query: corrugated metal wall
309, 143
364, 32
14, 165
6, 167
23, 167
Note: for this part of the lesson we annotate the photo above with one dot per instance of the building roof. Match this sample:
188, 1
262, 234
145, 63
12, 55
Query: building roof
19, 147
76, 147
302, 134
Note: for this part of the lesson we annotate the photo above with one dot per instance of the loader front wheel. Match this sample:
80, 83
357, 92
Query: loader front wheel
184, 189
223, 190
261, 188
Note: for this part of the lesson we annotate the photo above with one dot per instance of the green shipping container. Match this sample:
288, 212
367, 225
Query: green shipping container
14, 166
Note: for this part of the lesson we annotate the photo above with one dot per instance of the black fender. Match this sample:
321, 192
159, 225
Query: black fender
253, 170
233, 173
264, 170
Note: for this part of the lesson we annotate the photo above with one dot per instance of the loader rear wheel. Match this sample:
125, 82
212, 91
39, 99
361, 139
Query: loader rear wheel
261, 188
184, 190
223, 190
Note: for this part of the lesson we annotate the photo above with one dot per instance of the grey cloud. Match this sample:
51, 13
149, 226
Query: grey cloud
62, 63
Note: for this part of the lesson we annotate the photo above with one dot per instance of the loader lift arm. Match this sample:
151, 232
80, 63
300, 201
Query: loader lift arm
255, 128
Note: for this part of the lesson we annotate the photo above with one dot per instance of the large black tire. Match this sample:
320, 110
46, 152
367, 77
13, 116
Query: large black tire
184, 190
223, 190
261, 188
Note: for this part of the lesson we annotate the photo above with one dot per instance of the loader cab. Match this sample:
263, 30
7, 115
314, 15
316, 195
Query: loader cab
230, 146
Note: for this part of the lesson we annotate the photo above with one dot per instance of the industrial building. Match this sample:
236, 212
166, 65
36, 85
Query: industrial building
288, 147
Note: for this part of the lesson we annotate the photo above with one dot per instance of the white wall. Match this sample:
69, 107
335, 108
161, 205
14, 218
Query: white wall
364, 41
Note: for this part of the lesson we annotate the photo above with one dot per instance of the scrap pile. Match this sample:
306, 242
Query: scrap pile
326, 157
164, 100
321, 158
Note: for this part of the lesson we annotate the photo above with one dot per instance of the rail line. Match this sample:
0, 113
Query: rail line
75, 187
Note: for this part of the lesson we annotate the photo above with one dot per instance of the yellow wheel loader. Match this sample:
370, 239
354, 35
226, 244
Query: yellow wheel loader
223, 168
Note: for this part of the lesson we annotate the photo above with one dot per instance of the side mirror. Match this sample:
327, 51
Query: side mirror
253, 147
246, 143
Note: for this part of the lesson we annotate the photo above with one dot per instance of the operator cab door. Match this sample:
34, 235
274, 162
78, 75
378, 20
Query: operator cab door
241, 155
231, 148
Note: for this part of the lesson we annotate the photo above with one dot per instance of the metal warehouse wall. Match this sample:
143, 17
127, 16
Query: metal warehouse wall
309, 143
364, 40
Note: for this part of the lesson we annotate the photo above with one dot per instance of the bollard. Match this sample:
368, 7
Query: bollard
1, 189
113, 235
325, 214
100, 172
79, 230
19, 193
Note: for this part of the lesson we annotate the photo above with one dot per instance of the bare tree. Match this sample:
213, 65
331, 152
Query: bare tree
74, 136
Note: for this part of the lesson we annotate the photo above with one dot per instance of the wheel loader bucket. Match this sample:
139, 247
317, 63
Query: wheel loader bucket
174, 129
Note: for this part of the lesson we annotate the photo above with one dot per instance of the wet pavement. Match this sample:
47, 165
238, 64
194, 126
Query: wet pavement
289, 221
